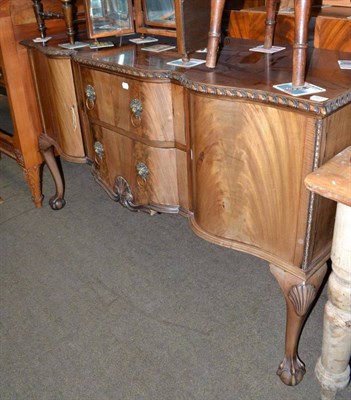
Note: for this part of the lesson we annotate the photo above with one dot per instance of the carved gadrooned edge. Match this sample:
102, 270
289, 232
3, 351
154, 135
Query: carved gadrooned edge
269, 97
323, 109
49, 50
123, 69
241, 93
302, 297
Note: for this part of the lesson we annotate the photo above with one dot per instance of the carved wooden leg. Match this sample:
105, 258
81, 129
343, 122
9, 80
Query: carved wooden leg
332, 369
33, 178
271, 17
46, 148
215, 32
302, 17
299, 296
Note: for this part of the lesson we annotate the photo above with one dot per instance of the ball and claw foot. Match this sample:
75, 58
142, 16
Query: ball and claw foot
57, 203
291, 371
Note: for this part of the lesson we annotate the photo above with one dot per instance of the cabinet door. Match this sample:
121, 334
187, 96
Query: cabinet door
249, 163
150, 172
138, 108
56, 93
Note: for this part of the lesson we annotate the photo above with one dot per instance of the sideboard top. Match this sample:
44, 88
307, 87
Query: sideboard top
239, 73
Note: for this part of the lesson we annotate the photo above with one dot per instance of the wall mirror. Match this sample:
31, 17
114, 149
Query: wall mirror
109, 17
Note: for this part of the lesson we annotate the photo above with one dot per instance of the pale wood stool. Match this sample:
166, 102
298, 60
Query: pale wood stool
302, 16
333, 181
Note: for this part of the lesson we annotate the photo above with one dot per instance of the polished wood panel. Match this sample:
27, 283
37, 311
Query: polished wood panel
251, 25
247, 183
333, 34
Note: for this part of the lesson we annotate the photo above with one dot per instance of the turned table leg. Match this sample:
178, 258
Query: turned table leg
332, 369
46, 148
214, 34
299, 296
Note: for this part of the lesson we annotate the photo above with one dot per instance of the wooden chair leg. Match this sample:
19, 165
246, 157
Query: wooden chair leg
302, 17
214, 34
271, 16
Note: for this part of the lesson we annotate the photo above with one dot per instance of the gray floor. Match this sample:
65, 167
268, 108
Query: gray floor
100, 303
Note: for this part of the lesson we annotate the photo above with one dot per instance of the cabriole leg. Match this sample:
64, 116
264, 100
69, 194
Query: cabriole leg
299, 296
46, 148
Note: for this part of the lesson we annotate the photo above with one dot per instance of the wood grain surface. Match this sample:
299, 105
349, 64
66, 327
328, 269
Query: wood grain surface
333, 179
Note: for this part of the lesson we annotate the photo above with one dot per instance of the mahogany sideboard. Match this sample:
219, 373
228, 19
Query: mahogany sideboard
221, 147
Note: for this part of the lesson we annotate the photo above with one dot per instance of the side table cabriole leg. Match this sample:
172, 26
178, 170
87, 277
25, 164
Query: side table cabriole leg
299, 297
46, 148
332, 369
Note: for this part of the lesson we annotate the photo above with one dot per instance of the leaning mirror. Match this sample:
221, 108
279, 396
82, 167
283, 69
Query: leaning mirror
108, 17
159, 13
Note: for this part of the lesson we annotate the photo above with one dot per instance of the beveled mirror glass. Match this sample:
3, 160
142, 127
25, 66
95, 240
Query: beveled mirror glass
109, 17
159, 13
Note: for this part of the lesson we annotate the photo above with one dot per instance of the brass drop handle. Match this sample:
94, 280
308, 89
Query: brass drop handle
136, 107
99, 149
142, 170
90, 97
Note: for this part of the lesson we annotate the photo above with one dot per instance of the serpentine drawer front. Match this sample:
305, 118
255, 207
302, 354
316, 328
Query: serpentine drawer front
150, 172
141, 108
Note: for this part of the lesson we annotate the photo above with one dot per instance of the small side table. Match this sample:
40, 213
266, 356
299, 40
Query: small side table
333, 181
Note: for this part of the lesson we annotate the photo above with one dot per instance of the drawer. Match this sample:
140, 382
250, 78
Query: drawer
150, 172
139, 108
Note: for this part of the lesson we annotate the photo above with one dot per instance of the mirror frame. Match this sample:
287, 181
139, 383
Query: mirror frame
119, 32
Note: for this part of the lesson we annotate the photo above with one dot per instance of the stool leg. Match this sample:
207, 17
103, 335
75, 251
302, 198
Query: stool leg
214, 34
332, 369
271, 16
302, 17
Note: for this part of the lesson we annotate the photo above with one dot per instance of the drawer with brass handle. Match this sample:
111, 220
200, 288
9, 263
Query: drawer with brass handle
141, 109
